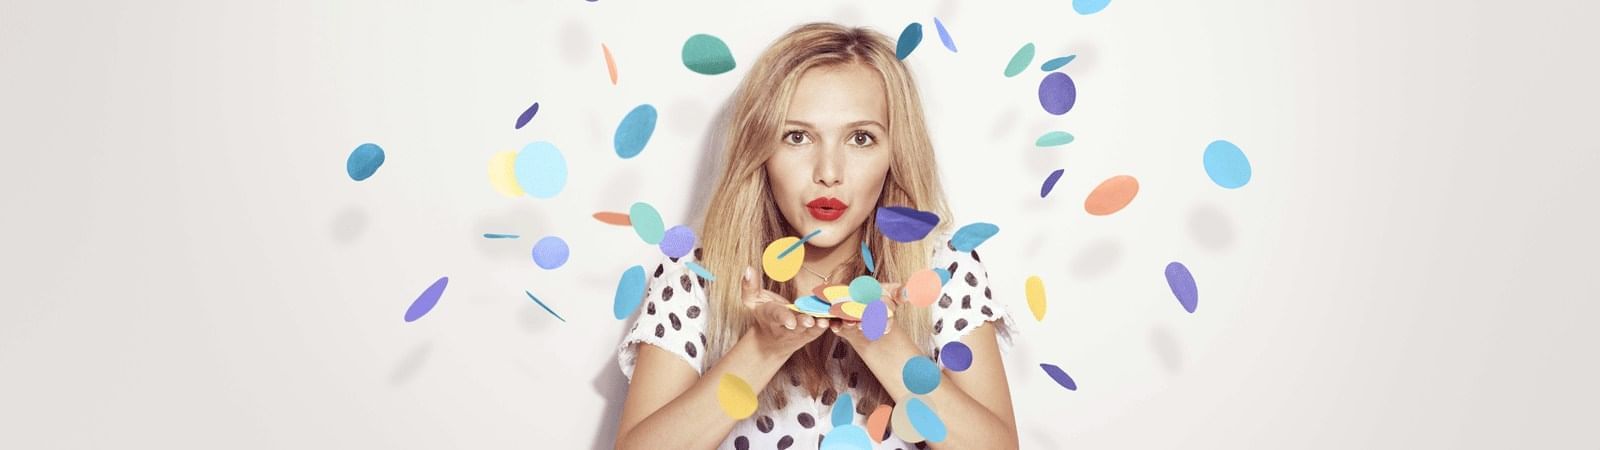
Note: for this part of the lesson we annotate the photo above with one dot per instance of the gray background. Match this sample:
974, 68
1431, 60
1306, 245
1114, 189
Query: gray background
187, 265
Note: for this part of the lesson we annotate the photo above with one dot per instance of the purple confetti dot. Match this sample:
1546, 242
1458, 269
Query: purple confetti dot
677, 241
1182, 284
550, 252
956, 356
1060, 376
905, 224
527, 115
875, 320
1057, 94
1050, 182
425, 302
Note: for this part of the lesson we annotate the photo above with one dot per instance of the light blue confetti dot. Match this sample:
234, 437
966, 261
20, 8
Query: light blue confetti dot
1087, 7
972, 235
364, 161
541, 170
1227, 165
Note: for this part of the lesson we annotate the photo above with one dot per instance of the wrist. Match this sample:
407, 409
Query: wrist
764, 350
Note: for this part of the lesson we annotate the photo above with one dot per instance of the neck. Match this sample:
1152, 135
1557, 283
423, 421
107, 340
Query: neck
826, 261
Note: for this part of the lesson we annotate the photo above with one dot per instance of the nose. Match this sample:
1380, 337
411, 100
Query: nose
828, 169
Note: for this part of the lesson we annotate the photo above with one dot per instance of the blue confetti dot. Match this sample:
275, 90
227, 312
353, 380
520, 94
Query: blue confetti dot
846, 437
630, 291
972, 235
909, 38
1056, 63
1087, 7
364, 161
944, 35
550, 252
956, 356
541, 170
634, 131
920, 374
924, 420
1226, 165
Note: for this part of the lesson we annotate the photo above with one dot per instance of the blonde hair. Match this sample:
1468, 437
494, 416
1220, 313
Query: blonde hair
742, 217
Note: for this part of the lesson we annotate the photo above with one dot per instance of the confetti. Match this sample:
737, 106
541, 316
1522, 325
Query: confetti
737, 399
875, 320
1056, 63
796, 245
499, 236
1087, 7
823, 314
1182, 284
1050, 182
905, 224
782, 269
811, 305
646, 222
707, 55
364, 161
1053, 138
630, 291
910, 37
956, 356
843, 410
1226, 164
1060, 376
613, 218
611, 65
550, 252
866, 289
972, 235
1020, 61
1111, 195
677, 241
878, 422
527, 115
701, 271
425, 302
542, 305
920, 374
944, 276
846, 437
900, 422
944, 35
541, 170
836, 293
866, 257
924, 420
503, 174
634, 131
1057, 94
923, 287
1034, 289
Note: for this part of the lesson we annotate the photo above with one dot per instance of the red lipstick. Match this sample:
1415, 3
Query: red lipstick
826, 208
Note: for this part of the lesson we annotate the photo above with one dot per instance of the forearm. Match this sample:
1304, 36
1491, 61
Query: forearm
979, 427
695, 418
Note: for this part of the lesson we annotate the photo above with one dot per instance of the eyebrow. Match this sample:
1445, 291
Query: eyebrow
848, 125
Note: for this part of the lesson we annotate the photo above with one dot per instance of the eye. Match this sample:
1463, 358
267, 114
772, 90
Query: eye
796, 137
862, 139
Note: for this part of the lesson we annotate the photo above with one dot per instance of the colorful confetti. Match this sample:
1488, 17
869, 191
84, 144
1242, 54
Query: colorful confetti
846, 437
527, 115
1060, 376
811, 305
1050, 182
1111, 195
550, 252
782, 269
866, 257
1053, 138
1056, 63
878, 422
425, 302
1226, 164
865, 289
972, 235
630, 291
677, 241
900, 422
611, 64
634, 131
944, 276
701, 271
905, 224
956, 356
944, 35
541, 170
503, 174
737, 399
646, 222
1057, 94
923, 287
797, 244
1034, 290
500, 236
920, 374
1020, 61
924, 420
613, 218
910, 37
707, 55
542, 305
875, 320
364, 161
1182, 284
843, 410
1087, 7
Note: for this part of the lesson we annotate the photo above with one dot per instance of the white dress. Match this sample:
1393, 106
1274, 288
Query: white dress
673, 317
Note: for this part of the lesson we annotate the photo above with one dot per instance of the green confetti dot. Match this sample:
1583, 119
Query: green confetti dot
1020, 61
1053, 139
706, 54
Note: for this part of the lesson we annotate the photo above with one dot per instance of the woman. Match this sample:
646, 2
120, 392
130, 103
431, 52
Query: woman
826, 127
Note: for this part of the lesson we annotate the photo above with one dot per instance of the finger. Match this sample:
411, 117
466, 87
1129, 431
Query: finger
808, 321
748, 283
769, 296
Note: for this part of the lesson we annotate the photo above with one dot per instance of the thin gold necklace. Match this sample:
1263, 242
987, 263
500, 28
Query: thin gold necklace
825, 280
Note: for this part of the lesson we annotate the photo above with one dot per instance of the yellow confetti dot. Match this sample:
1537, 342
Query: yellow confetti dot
1035, 290
503, 174
781, 270
738, 400
836, 292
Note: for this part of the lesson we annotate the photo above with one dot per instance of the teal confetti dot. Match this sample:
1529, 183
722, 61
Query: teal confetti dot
865, 289
364, 161
1056, 63
701, 270
647, 223
972, 235
866, 257
920, 374
910, 37
541, 170
546, 307
707, 55
1020, 61
1054, 138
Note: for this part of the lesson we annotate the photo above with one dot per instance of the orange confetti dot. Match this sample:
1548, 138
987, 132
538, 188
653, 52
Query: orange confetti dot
1111, 195
878, 422
611, 65
614, 218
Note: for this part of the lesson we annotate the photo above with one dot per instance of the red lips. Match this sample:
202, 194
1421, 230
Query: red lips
826, 208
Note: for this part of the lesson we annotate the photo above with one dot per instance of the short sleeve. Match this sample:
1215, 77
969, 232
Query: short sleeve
967, 301
672, 316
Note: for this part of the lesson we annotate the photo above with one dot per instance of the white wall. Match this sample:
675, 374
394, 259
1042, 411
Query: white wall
187, 265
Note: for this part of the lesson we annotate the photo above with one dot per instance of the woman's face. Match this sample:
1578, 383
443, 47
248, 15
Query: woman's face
832, 152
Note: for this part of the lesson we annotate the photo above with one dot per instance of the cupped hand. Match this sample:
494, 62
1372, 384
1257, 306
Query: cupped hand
778, 330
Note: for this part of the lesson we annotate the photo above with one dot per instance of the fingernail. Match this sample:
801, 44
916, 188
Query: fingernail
749, 274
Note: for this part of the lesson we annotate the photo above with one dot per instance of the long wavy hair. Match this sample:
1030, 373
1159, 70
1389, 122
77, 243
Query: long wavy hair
742, 217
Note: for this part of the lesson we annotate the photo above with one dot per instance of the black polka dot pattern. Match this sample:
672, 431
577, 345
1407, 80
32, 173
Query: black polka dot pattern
673, 318
967, 300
